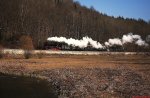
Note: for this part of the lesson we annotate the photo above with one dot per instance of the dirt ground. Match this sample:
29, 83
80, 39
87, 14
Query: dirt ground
83, 76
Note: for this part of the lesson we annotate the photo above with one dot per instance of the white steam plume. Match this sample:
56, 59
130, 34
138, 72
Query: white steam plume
129, 38
83, 43
115, 41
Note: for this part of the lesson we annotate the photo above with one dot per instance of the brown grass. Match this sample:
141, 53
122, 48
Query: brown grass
117, 76
73, 61
138, 63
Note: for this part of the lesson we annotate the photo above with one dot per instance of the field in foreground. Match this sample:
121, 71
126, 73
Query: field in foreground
104, 76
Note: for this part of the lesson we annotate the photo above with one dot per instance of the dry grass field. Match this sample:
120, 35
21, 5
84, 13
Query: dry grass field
73, 61
84, 76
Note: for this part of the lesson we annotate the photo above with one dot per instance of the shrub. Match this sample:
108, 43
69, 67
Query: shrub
27, 54
1, 54
40, 55
26, 42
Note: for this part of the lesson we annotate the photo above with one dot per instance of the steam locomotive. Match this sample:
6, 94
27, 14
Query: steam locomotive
58, 46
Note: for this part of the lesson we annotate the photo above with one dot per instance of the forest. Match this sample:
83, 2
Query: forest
28, 23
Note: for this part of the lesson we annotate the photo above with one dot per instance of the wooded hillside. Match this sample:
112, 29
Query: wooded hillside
40, 19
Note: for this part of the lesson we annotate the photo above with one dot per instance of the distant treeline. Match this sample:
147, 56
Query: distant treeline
40, 19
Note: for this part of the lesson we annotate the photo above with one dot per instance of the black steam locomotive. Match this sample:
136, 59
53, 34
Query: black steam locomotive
58, 46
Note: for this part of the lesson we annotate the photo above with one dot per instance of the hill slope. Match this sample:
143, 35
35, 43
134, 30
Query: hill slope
41, 19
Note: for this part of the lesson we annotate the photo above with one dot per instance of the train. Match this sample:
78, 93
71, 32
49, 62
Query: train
58, 46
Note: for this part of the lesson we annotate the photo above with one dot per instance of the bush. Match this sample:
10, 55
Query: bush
1, 54
27, 54
26, 42
40, 55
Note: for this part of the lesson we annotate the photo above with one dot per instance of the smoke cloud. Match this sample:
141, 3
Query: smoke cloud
136, 39
115, 41
129, 38
83, 43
